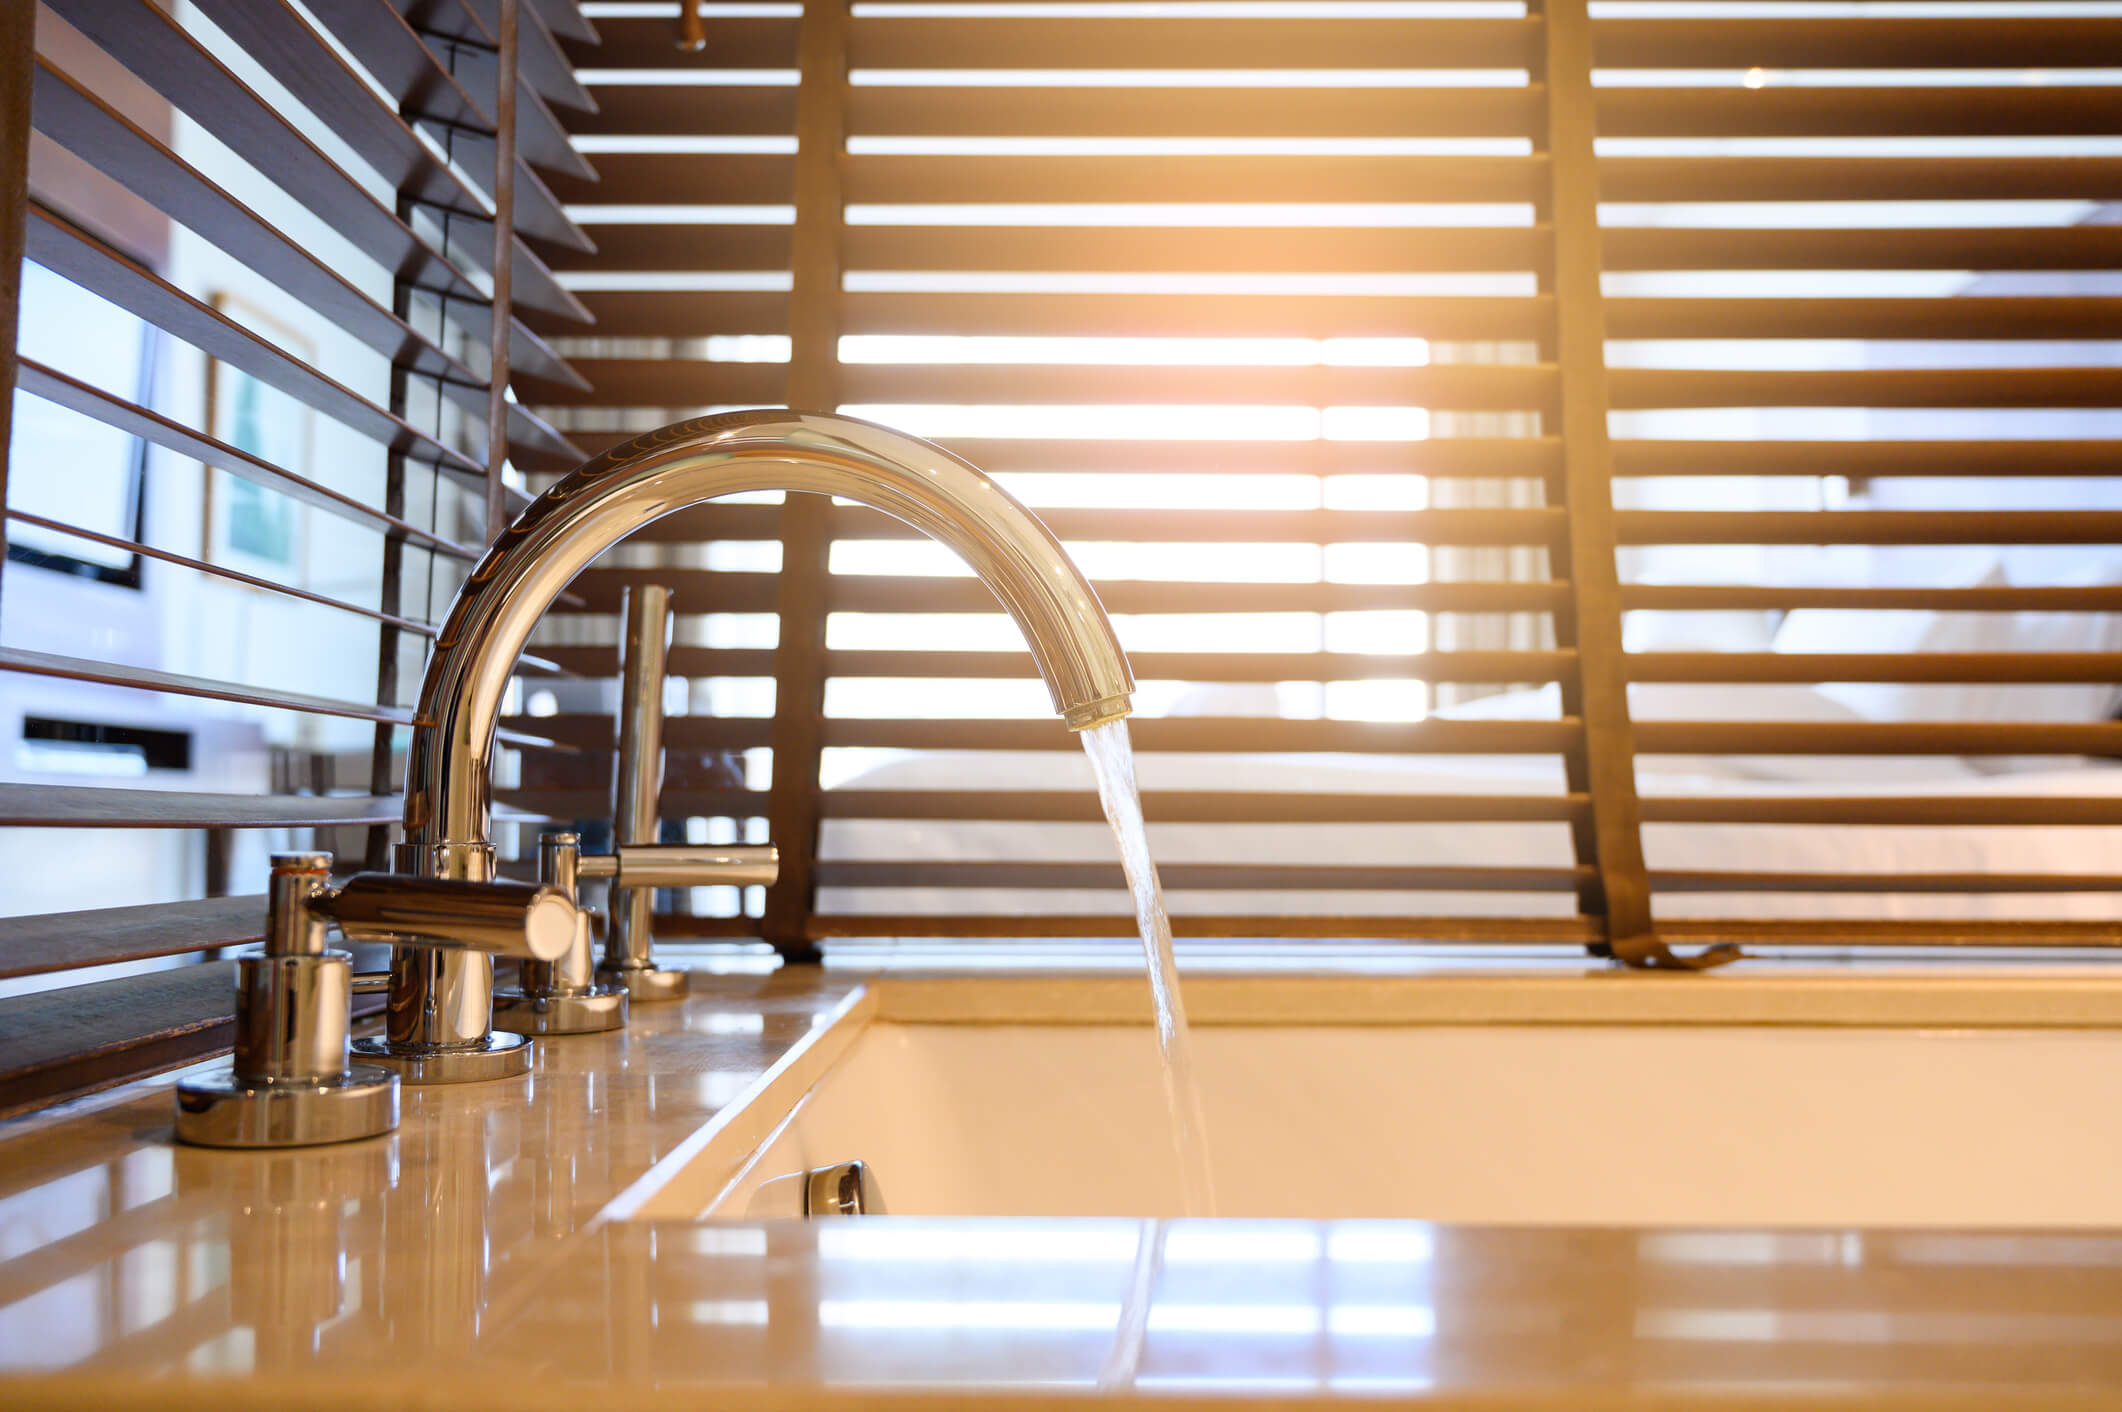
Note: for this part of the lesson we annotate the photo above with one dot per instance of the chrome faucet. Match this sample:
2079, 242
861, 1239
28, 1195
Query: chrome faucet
438, 1022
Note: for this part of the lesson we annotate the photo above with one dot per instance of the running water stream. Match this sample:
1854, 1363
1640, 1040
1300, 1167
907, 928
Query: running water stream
1112, 759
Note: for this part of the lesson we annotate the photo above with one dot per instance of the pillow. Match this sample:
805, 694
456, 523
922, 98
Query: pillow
1647, 630
1835, 630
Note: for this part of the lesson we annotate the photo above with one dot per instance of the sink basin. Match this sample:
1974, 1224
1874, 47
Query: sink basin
1882, 1099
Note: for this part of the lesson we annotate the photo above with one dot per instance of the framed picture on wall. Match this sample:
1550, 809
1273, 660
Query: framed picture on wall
249, 527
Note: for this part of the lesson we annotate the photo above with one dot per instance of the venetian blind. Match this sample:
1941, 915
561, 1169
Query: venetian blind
1388, 364
261, 427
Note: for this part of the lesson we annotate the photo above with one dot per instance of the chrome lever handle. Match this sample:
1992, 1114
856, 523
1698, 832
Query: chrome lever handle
531, 922
685, 865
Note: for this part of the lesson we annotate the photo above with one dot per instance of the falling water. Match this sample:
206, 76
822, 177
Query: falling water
1112, 760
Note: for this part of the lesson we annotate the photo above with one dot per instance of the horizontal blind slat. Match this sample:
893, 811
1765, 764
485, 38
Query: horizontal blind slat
58, 388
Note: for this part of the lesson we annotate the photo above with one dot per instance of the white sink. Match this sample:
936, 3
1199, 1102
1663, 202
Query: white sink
1973, 1099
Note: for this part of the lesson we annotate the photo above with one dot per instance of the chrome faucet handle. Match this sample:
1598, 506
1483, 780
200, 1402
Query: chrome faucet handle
637, 787
638, 869
652, 865
290, 1082
561, 995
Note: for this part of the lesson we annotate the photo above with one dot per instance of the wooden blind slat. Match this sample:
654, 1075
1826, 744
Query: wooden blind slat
1870, 527
1202, 877
52, 664
1486, 387
990, 42
57, 387
63, 941
1959, 316
1879, 738
1178, 249
909, 110
1204, 316
2053, 41
1504, 931
1868, 458
2104, 598
2029, 666
1947, 811
1461, 666
1954, 178
48, 806
67, 250
894, 179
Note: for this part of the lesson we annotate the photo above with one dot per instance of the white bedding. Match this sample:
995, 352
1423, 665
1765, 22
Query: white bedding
1751, 847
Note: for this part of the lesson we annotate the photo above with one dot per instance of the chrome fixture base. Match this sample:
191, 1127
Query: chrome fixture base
600, 1008
648, 984
497, 1056
223, 1110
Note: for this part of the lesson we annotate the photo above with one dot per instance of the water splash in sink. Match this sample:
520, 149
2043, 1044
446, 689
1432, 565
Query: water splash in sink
1112, 760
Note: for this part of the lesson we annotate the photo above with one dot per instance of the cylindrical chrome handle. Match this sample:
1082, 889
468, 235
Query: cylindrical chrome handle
500, 918
640, 865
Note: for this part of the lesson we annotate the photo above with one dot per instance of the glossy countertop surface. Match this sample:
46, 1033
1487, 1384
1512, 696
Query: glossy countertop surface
461, 1261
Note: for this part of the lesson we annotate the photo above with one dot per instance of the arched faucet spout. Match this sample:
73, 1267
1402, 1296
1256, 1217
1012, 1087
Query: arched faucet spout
449, 778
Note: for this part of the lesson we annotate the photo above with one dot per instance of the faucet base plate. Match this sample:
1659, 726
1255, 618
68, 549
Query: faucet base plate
497, 1056
646, 983
222, 1110
600, 1008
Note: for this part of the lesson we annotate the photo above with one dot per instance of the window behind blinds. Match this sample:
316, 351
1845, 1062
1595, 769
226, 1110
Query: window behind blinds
1386, 363
250, 460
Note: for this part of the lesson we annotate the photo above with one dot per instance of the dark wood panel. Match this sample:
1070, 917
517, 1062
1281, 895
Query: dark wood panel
1868, 387
684, 313
1869, 458
1487, 387
1298, 42
1207, 249
2064, 110
908, 110
1858, 42
1958, 316
1208, 807
1739, 880
694, 179
1199, 877
1503, 931
892, 179
1927, 810
716, 592
111, 1032
691, 110
1205, 316
64, 941
2102, 598
2102, 738
1509, 667
2092, 667
1722, 178
1941, 933
2080, 247
1871, 527
1208, 734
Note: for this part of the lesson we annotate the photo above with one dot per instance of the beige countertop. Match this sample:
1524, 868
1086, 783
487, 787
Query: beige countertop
461, 1261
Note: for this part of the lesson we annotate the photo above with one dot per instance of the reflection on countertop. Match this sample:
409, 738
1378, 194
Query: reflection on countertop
461, 1258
